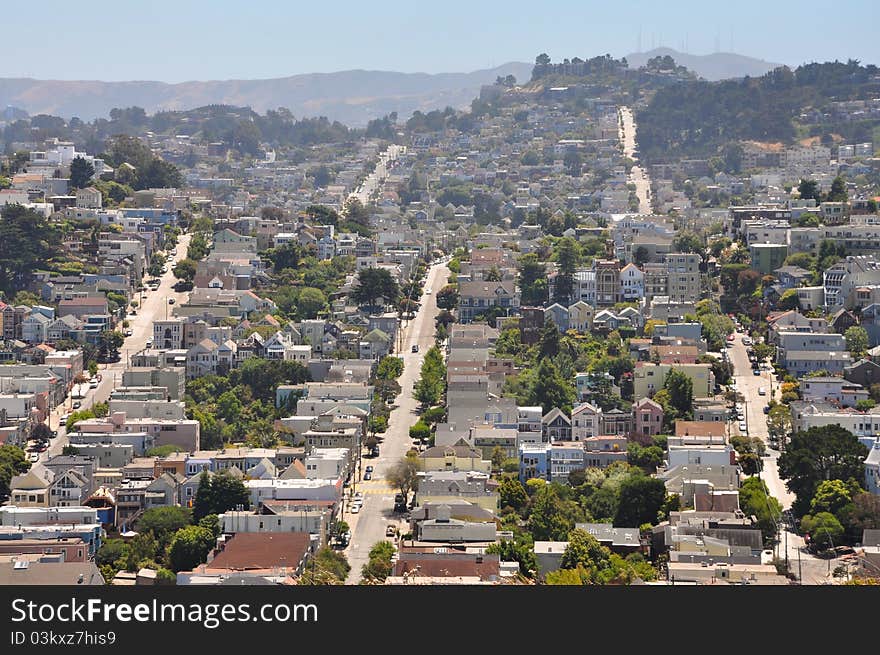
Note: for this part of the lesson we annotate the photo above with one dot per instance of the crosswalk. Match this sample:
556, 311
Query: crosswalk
375, 487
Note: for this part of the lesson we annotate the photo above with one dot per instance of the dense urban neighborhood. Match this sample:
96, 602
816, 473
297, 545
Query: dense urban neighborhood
609, 325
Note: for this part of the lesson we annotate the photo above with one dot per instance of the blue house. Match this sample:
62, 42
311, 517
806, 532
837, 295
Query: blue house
534, 462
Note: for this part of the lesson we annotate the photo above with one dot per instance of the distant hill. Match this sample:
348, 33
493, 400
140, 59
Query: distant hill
352, 97
717, 66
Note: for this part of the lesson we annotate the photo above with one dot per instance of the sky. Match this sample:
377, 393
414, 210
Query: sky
181, 40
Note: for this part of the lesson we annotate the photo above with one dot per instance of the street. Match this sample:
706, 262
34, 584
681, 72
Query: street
368, 526
152, 305
812, 569
637, 175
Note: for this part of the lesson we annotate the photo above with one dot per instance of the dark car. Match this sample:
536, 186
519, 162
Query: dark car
368, 476
369, 468
415, 348
756, 371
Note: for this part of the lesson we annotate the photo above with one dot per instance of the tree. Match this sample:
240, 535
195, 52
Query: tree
189, 547
688, 241
41, 432
375, 283
823, 530
12, 463
218, 493
532, 280
431, 385
549, 389
420, 431
327, 567
755, 500
833, 496
552, 518
779, 422
641, 255
548, 344
584, 550
788, 300
379, 564
647, 458
866, 511
512, 494
81, 173
856, 340
163, 522
389, 368
809, 189
520, 550
447, 297
185, 270
404, 475
681, 392
838, 190
640, 501
311, 302
568, 257
27, 241
821, 453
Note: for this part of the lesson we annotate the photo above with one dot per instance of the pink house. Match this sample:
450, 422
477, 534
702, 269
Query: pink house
648, 417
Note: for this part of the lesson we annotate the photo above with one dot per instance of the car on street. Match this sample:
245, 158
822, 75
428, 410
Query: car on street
428, 291
390, 531
415, 348
369, 468
77, 404
355, 509
93, 384
149, 343
368, 476
747, 341
743, 427
762, 391
756, 371
171, 301
34, 457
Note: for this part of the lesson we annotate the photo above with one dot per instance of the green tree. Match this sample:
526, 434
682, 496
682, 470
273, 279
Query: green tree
584, 550
640, 501
551, 517
833, 496
420, 431
809, 189
755, 500
81, 173
838, 190
27, 242
379, 564
163, 522
779, 421
520, 550
532, 280
681, 393
328, 566
189, 547
512, 494
688, 241
821, 453
856, 340
568, 257
311, 302
218, 493
185, 270
375, 283
12, 463
389, 368
548, 388
823, 530
447, 297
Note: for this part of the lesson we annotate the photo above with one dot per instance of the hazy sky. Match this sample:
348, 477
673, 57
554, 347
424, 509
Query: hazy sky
223, 39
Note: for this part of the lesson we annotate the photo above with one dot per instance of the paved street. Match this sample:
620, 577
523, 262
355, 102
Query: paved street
813, 570
368, 526
638, 175
154, 305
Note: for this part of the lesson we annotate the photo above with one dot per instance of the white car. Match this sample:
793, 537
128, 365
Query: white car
355, 509
762, 391
428, 291
743, 427
34, 457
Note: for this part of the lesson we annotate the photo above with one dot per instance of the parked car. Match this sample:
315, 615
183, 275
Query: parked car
77, 404
355, 509
34, 457
369, 468
390, 531
171, 301
368, 476
415, 348
743, 427
762, 391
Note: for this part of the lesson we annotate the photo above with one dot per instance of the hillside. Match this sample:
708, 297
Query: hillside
712, 67
352, 97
